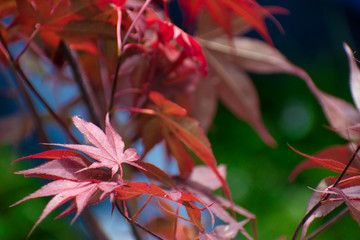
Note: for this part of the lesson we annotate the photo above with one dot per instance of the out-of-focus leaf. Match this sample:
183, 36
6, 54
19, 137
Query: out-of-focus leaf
206, 177
223, 12
165, 106
204, 104
249, 54
180, 153
341, 115
150, 132
334, 158
238, 93
354, 76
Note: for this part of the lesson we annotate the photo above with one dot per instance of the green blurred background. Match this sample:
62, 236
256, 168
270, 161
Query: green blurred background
257, 174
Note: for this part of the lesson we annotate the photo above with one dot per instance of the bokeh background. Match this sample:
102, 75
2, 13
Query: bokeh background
257, 174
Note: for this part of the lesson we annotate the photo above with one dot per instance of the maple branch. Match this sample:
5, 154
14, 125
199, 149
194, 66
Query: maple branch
19, 70
142, 9
113, 88
135, 223
327, 224
118, 64
143, 207
79, 80
326, 196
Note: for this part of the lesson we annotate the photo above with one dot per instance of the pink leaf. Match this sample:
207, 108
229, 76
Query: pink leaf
354, 76
341, 115
108, 149
65, 190
206, 177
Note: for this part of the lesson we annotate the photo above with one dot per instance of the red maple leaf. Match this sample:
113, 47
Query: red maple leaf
108, 149
86, 187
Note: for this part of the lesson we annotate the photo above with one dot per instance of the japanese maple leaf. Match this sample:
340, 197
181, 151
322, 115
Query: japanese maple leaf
65, 190
108, 149
85, 187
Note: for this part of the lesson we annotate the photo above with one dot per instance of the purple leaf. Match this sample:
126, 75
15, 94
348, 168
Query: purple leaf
354, 76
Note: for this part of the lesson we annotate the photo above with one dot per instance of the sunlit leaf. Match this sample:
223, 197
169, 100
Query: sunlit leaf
354, 76
238, 93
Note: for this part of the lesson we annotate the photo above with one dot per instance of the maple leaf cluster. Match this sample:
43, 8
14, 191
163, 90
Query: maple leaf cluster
137, 75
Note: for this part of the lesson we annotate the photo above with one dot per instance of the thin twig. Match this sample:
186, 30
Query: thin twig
328, 224
114, 84
36, 30
118, 64
80, 82
320, 202
136, 223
